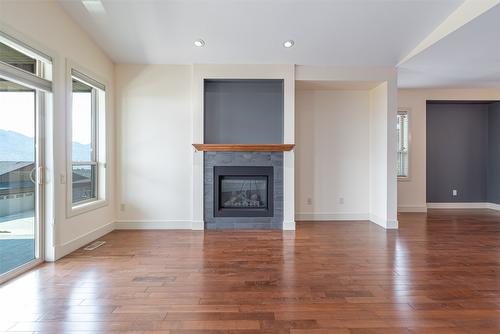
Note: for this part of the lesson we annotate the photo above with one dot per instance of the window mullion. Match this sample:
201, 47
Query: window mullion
25, 78
84, 163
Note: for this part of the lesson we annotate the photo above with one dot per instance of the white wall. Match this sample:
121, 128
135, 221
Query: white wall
383, 136
45, 26
332, 154
155, 152
412, 193
378, 148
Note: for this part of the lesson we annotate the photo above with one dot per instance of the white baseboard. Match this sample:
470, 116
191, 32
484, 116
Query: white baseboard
73, 245
342, 216
412, 208
387, 224
197, 225
289, 226
457, 205
494, 206
481, 205
392, 225
153, 225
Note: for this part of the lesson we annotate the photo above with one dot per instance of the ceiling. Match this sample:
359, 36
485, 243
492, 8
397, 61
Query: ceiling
337, 32
362, 33
468, 57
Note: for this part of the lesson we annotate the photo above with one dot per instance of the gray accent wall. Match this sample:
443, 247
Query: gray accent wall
494, 154
243, 111
457, 152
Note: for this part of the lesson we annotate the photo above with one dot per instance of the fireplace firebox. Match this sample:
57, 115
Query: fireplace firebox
243, 191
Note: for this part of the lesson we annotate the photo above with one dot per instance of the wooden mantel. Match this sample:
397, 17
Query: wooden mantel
245, 147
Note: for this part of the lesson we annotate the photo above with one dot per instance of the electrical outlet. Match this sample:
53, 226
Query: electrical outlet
122, 207
454, 193
309, 201
341, 200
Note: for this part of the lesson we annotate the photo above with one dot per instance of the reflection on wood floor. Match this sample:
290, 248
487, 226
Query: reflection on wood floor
439, 273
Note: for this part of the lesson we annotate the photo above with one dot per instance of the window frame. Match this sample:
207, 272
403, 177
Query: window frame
99, 145
406, 111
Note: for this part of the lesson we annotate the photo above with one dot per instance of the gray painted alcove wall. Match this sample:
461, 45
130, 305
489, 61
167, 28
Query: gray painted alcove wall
243, 111
463, 152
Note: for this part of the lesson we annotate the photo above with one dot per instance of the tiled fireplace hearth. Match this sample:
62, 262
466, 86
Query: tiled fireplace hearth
243, 190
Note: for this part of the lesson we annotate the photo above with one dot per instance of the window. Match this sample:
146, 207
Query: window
17, 59
35, 66
87, 130
403, 144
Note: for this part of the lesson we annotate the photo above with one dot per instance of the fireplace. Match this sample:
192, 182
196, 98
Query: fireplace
243, 191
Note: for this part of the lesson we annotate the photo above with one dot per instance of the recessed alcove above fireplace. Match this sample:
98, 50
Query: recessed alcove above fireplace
240, 111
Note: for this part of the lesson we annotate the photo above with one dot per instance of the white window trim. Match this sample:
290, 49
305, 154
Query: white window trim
102, 142
408, 177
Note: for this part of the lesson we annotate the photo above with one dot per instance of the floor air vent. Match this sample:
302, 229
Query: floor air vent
94, 245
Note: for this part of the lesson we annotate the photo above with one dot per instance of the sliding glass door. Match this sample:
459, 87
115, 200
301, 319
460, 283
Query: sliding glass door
20, 165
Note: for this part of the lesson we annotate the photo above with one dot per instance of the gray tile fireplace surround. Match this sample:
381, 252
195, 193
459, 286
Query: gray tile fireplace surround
274, 159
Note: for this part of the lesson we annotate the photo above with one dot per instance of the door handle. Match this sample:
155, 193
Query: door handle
39, 175
31, 175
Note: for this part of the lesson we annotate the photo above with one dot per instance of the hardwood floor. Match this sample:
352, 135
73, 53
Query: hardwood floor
438, 273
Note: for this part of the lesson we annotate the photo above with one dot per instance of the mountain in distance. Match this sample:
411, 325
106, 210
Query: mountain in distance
15, 146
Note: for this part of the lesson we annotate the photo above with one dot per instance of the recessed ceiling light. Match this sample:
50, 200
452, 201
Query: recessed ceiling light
199, 43
288, 44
